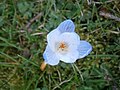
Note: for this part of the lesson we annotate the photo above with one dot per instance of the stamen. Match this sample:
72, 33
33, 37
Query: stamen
62, 45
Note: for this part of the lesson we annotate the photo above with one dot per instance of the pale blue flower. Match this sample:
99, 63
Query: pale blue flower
65, 45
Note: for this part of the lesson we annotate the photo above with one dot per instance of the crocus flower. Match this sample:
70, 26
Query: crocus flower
64, 44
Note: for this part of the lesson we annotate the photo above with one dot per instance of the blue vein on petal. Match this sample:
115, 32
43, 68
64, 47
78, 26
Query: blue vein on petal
66, 26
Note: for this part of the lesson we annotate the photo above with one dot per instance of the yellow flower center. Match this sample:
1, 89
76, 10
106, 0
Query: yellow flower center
62, 47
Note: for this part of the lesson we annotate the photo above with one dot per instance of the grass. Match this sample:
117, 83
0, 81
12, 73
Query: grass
21, 48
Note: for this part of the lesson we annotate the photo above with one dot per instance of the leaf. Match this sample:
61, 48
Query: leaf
1, 20
23, 7
44, 88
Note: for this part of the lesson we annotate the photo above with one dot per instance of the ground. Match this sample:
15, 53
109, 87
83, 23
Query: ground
24, 25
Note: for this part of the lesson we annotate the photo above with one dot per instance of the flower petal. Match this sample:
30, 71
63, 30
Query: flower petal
72, 39
50, 57
66, 26
84, 49
70, 57
52, 38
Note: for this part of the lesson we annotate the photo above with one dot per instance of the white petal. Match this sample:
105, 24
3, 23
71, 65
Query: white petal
72, 39
52, 38
70, 57
50, 57
84, 49
66, 26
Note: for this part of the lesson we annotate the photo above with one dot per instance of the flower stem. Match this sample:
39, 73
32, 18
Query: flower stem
43, 66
